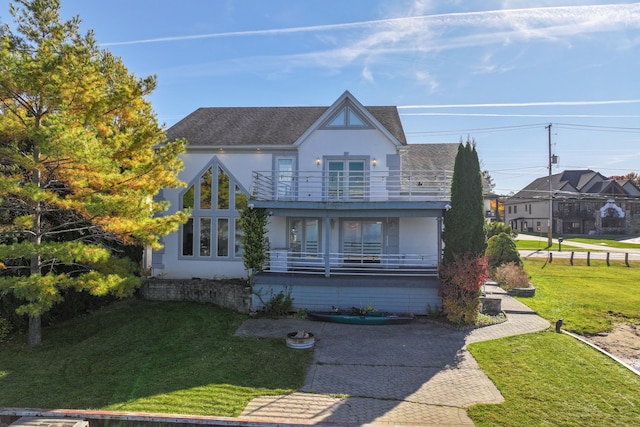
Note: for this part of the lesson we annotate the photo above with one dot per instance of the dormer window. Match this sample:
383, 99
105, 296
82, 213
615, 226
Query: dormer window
347, 118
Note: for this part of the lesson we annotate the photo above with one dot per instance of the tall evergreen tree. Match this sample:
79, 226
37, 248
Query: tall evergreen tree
464, 224
464, 268
81, 159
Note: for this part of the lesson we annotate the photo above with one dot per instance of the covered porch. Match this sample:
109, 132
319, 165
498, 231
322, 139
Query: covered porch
355, 240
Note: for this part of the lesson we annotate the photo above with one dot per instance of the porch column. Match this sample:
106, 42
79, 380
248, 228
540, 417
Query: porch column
327, 246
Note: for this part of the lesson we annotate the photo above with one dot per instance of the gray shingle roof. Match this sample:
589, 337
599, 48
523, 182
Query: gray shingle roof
263, 126
570, 184
429, 156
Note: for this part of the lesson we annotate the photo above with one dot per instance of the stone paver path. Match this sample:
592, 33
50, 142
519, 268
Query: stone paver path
414, 374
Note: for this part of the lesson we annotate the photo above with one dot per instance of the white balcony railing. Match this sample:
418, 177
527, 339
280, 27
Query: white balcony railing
342, 186
283, 261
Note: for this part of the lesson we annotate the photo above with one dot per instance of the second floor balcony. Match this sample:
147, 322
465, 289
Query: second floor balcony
352, 186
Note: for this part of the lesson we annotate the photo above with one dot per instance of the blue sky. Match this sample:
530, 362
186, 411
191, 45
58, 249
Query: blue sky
497, 71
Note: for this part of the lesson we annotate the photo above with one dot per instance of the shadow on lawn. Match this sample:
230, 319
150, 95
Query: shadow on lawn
140, 355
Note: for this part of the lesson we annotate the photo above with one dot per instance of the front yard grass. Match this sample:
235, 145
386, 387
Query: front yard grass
539, 245
604, 242
149, 356
588, 299
551, 379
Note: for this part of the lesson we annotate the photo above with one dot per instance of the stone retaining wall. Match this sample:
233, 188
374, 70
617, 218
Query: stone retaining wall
232, 295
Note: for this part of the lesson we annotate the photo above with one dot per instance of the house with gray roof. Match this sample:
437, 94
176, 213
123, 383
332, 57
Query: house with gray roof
355, 213
583, 202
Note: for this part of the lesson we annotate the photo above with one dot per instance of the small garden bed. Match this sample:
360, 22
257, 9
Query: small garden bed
522, 292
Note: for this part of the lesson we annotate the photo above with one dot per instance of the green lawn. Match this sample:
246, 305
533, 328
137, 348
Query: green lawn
538, 245
604, 242
588, 299
149, 356
552, 379
182, 358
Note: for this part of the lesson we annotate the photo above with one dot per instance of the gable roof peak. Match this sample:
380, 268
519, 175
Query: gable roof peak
275, 126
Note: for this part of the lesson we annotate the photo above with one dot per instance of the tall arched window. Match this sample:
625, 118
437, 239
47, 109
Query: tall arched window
213, 230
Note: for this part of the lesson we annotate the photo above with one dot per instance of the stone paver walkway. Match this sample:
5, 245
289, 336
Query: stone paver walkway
414, 374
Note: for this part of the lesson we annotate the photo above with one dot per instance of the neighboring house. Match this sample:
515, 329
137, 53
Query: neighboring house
355, 213
493, 207
584, 202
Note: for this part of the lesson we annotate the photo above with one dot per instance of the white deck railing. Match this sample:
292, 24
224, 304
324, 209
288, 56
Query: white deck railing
283, 261
323, 186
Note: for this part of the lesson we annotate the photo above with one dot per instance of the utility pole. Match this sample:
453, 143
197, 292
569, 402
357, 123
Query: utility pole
550, 223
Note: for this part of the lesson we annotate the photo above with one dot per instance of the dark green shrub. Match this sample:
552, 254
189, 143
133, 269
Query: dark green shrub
253, 222
5, 328
280, 304
494, 228
75, 304
501, 249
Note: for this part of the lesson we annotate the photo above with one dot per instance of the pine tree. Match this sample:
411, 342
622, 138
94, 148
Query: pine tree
81, 157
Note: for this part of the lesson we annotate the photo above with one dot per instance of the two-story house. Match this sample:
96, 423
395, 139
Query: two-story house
583, 202
355, 213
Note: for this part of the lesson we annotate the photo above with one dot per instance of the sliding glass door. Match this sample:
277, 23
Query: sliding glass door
362, 240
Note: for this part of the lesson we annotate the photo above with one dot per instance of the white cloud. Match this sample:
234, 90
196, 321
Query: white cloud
388, 42
426, 79
519, 23
525, 104
367, 74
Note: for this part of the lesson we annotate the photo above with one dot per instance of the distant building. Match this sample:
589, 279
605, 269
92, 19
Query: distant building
584, 202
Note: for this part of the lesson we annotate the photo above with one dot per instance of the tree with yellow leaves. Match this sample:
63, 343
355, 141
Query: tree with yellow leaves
82, 161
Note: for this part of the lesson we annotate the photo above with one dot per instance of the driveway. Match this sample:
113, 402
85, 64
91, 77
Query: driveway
412, 374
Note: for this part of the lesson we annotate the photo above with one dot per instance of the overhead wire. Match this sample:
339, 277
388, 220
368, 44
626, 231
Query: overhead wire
494, 129
482, 130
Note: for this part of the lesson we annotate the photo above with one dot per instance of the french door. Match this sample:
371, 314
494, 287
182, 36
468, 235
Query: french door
346, 179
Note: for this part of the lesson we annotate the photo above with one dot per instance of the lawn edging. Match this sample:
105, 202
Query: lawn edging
603, 351
98, 418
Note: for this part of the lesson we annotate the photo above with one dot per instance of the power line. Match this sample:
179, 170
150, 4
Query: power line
478, 130
527, 126
598, 128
